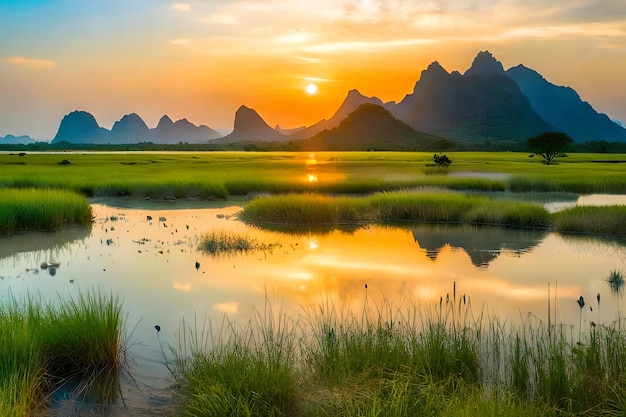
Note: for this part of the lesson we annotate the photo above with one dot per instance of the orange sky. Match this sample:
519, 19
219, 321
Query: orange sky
203, 59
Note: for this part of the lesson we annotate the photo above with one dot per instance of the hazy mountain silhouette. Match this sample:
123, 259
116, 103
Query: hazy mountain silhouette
82, 127
563, 108
131, 128
484, 103
352, 101
16, 140
373, 127
181, 131
250, 127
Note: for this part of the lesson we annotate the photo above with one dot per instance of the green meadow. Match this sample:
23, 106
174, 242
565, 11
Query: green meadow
218, 175
36, 189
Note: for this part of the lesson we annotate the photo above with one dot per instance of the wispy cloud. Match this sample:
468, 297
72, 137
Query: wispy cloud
181, 42
30, 62
181, 7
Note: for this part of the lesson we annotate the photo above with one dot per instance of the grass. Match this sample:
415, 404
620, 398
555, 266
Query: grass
425, 206
428, 206
439, 360
218, 242
604, 220
41, 209
43, 347
218, 175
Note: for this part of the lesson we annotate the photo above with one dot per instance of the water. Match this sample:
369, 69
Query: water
151, 265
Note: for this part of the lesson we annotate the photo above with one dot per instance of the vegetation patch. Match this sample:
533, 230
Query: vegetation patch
41, 209
225, 241
43, 347
603, 220
415, 206
441, 359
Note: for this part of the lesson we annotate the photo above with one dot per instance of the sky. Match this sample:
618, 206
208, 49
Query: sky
202, 59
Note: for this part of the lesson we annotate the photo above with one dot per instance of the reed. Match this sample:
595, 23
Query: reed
605, 220
43, 347
248, 371
440, 359
41, 209
218, 242
400, 206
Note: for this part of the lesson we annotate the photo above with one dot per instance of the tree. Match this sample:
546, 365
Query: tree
442, 161
549, 145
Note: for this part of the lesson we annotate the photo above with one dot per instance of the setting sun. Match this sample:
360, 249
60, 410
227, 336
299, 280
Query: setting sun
311, 89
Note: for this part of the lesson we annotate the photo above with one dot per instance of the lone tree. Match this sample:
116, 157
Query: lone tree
549, 145
442, 161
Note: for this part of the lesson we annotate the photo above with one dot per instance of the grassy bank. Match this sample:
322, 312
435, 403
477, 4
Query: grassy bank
426, 206
317, 211
604, 221
42, 347
41, 209
217, 175
439, 360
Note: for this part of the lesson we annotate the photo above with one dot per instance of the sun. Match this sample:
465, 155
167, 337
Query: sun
311, 89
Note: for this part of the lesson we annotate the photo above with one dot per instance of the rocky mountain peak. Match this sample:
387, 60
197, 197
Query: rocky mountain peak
485, 64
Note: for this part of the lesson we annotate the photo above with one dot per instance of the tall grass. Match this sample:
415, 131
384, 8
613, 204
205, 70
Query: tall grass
43, 347
424, 206
440, 359
604, 220
239, 371
218, 242
41, 209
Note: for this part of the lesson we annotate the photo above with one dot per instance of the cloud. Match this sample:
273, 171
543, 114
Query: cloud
30, 62
181, 42
182, 287
230, 307
181, 7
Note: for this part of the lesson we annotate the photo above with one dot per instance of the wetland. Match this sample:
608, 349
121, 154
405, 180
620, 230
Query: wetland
145, 246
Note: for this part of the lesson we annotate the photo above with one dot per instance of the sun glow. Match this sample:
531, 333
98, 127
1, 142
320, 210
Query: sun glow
311, 89
311, 178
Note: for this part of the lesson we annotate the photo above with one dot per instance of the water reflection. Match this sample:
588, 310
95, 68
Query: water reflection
482, 244
156, 268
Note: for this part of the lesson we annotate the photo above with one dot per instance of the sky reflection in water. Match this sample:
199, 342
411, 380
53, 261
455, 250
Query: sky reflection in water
151, 265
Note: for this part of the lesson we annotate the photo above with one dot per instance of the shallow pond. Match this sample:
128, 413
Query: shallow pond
151, 265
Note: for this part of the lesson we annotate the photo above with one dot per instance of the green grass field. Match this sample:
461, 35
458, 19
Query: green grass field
220, 174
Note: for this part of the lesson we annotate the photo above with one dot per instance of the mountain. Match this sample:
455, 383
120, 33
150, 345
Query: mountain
563, 108
482, 104
371, 126
82, 127
131, 128
352, 101
181, 131
16, 140
250, 127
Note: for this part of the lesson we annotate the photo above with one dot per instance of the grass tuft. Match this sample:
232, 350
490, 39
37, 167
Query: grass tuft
41, 209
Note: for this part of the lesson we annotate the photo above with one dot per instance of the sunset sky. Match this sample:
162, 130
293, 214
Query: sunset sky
202, 59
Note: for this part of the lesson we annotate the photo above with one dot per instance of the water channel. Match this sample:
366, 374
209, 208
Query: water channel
146, 253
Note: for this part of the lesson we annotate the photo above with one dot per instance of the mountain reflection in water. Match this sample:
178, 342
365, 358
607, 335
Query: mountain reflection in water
482, 244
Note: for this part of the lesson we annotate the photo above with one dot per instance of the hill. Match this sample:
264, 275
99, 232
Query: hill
373, 127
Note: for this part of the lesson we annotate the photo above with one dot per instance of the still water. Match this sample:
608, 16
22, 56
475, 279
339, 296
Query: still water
146, 253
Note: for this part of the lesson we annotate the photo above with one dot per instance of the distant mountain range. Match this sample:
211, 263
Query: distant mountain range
81, 127
484, 105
